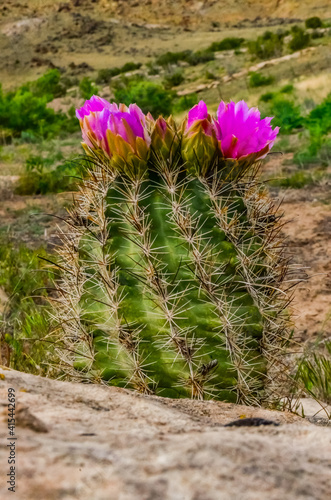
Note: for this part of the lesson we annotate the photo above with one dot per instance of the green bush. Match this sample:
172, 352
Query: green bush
226, 44
286, 114
130, 66
173, 57
287, 89
319, 119
199, 57
307, 157
150, 96
105, 75
300, 39
267, 97
48, 86
315, 373
152, 69
184, 103
22, 111
173, 79
313, 22
40, 178
192, 58
25, 325
259, 80
297, 180
87, 88
267, 46
318, 124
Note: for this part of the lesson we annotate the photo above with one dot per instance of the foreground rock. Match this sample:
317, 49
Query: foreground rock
99, 443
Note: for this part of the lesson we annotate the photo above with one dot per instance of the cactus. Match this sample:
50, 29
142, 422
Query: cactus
173, 277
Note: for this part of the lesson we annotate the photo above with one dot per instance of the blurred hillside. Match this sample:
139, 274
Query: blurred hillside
90, 34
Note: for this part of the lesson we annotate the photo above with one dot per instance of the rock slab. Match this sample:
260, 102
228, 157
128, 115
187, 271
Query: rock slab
92, 442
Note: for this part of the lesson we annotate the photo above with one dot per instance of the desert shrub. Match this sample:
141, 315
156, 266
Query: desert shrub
152, 69
267, 46
315, 372
226, 44
25, 111
188, 56
199, 57
259, 80
185, 103
318, 152
173, 57
150, 96
68, 81
307, 157
130, 66
297, 180
49, 85
267, 97
313, 22
41, 177
287, 89
173, 79
22, 111
318, 124
319, 119
286, 114
24, 325
87, 88
29, 137
300, 39
325, 152
105, 75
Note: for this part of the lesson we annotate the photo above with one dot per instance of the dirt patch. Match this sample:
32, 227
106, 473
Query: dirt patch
309, 234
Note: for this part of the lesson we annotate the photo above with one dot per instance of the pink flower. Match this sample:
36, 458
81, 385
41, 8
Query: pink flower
241, 132
198, 117
101, 120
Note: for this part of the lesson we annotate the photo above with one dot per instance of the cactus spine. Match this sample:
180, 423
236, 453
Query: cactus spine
173, 273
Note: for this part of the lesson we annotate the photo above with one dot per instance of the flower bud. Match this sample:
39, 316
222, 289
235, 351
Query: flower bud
165, 139
199, 145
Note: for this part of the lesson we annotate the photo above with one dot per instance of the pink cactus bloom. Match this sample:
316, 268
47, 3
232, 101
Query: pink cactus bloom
199, 115
198, 112
241, 131
98, 115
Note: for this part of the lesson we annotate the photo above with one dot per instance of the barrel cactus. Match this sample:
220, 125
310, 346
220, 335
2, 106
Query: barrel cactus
173, 278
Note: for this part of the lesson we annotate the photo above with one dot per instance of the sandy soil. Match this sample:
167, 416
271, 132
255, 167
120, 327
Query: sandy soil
309, 234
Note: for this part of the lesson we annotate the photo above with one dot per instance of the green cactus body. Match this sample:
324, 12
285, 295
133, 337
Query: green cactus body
172, 279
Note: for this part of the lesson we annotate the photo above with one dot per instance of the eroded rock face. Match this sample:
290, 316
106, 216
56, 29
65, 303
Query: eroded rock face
102, 443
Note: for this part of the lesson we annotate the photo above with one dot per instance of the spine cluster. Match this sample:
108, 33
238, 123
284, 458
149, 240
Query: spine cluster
174, 276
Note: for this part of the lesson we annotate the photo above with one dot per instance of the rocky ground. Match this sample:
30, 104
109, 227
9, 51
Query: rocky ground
91, 442
82, 36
